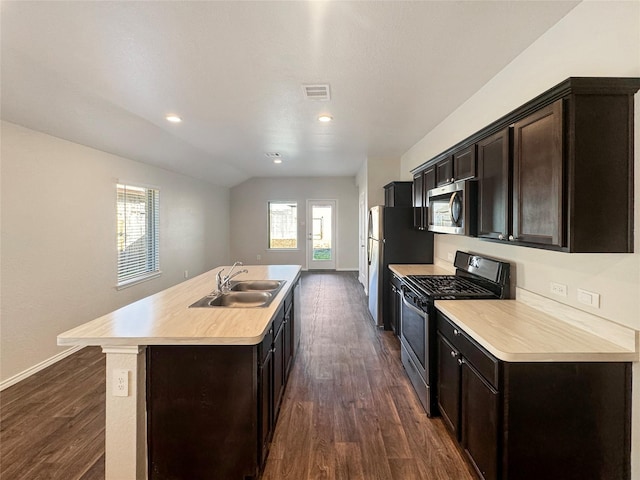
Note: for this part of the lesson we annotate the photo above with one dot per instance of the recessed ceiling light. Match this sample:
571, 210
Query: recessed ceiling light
277, 160
325, 118
173, 118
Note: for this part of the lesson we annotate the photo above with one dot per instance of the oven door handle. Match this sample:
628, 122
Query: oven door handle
411, 307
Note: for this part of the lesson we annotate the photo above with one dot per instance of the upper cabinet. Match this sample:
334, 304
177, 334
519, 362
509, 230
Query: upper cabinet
538, 178
556, 173
398, 194
460, 165
494, 201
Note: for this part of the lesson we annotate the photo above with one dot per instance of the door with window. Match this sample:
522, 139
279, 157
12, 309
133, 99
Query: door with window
321, 234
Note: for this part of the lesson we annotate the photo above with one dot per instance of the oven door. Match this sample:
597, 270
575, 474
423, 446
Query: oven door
414, 349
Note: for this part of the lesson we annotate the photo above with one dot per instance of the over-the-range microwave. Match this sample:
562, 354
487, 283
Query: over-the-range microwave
452, 208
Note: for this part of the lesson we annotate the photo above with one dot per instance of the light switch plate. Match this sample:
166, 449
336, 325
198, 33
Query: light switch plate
589, 298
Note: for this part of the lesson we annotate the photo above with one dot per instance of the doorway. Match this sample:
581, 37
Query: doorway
321, 234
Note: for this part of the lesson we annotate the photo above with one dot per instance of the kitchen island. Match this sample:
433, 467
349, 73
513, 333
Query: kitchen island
194, 387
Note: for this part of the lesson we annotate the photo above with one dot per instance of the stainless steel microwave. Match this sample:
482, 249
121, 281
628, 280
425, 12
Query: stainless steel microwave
452, 208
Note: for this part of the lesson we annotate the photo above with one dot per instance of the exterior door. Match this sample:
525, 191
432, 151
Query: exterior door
321, 234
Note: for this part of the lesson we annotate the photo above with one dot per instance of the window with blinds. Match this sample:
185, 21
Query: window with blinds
138, 248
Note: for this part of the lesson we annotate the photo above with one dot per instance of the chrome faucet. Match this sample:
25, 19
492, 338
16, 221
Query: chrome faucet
222, 281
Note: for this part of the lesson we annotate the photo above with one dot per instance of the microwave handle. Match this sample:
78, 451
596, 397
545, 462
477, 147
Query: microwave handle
451, 200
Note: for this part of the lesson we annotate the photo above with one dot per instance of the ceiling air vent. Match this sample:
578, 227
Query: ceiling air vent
316, 92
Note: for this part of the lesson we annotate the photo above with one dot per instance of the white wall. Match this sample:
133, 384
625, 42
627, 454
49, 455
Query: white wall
249, 215
58, 258
380, 171
594, 39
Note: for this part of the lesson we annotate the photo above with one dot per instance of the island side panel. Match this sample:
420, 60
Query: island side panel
125, 435
202, 412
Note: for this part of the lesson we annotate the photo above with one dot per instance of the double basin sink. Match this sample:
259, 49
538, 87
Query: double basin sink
243, 294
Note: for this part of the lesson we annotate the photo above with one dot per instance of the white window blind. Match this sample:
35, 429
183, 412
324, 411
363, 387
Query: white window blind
283, 225
137, 219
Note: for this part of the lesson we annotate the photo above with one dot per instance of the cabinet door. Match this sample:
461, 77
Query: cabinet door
418, 200
278, 371
288, 343
444, 171
538, 177
296, 319
480, 409
449, 384
265, 405
493, 186
464, 163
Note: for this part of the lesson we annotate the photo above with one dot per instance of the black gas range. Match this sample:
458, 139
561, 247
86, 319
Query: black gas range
476, 277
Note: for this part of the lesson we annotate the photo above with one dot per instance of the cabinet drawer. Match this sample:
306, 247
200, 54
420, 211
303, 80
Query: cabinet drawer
485, 363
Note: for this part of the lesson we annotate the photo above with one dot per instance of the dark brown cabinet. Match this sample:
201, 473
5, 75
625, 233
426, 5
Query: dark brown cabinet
479, 414
398, 194
460, 165
418, 201
211, 410
395, 297
449, 385
494, 200
265, 395
444, 171
527, 421
422, 183
538, 177
557, 172
464, 163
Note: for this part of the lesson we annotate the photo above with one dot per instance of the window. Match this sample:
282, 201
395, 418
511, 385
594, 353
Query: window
283, 225
137, 219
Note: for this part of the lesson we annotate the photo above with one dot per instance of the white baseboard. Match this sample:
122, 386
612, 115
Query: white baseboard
36, 368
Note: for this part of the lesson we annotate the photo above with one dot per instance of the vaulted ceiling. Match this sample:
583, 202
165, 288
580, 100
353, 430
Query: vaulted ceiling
105, 74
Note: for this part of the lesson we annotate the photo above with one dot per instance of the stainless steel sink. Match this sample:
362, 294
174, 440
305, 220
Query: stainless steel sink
257, 285
252, 299
243, 294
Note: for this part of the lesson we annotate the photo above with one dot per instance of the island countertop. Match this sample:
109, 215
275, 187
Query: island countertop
166, 319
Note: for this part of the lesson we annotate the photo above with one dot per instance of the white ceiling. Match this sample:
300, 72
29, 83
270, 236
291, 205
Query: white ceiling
105, 74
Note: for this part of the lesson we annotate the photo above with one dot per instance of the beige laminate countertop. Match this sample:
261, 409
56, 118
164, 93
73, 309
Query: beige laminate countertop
166, 319
516, 332
418, 269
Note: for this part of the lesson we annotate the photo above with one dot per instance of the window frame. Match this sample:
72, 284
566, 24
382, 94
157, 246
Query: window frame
152, 246
297, 236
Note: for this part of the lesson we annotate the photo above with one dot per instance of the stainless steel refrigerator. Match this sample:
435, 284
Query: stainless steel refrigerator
392, 240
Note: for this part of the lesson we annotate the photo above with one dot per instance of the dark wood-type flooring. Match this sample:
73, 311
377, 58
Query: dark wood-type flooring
349, 411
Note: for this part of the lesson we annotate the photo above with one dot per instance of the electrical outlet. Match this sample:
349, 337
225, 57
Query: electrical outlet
450, 256
186, 274
120, 386
258, 257
589, 298
558, 289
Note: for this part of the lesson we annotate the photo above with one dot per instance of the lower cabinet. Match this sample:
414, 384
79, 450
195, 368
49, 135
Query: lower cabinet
395, 304
212, 409
534, 420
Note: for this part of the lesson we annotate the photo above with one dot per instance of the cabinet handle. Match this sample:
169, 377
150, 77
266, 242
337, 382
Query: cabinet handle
501, 237
454, 354
452, 179
460, 361
456, 332
512, 238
